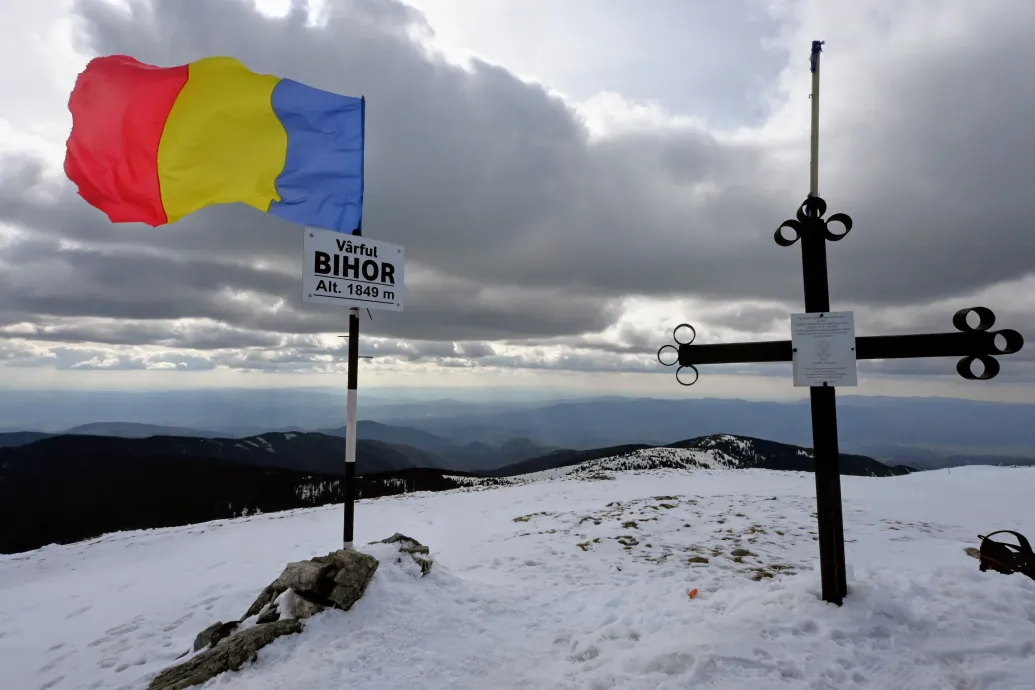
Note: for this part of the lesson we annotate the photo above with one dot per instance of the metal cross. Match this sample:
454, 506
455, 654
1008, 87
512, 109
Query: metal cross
971, 344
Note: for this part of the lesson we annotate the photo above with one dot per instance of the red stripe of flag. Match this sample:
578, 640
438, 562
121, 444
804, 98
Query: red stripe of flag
119, 107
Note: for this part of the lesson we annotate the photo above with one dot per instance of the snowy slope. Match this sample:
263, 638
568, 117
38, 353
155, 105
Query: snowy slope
639, 460
714, 452
564, 583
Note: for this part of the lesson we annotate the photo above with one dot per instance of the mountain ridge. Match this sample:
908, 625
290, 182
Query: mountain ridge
441, 452
106, 484
713, 450
303, 452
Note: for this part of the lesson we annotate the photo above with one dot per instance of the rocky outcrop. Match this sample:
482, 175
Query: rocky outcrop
229, 654
336, 580
303, 589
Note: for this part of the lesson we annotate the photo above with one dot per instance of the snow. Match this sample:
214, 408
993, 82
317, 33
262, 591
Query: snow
563, 583
603, 468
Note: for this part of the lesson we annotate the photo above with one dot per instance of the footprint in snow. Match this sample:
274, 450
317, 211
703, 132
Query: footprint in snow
53, 663
178, 622
78, 612
140, 661
125, 628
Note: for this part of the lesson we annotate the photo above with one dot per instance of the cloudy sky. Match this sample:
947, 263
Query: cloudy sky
571, 180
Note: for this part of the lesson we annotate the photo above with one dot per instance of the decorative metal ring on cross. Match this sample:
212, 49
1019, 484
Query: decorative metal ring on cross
1004, 342
810, 220
683, 334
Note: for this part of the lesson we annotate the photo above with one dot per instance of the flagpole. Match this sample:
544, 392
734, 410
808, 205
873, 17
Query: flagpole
817, 48
349, 488
350, 428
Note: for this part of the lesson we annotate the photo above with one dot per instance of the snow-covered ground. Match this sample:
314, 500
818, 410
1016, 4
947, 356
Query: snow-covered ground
647, 458
571, 582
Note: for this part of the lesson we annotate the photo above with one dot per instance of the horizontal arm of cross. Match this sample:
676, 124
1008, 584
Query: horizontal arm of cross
969, 343
972, 344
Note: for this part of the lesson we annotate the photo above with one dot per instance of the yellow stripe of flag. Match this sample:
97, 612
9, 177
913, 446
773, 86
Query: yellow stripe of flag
222, 141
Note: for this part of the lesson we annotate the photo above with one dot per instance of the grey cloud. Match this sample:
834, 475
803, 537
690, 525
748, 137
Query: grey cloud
525, 227
476, 349
40, 278
122, 362
751, 317
206, 335
19, 353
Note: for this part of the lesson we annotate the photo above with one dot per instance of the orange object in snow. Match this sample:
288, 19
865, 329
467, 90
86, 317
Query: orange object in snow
693, 592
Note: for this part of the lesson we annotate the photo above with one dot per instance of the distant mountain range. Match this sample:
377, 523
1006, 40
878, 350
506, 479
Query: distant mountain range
380, 448
70, 487
136, 430
310, 452
716, 450
228, 411
928, 432
919, 432
474, 456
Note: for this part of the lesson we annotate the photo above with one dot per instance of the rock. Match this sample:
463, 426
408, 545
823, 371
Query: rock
301, 575
424, 563
413, 548
303, 589
229, 654
290, 604
405, 543
213, 634
337, 579
295, 605
269, 615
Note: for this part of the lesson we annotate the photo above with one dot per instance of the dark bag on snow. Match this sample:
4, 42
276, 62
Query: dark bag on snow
1007, 558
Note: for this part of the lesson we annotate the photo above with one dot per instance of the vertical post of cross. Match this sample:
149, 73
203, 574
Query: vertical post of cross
823, 398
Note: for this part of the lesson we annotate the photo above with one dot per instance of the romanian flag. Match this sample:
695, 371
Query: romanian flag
153, 144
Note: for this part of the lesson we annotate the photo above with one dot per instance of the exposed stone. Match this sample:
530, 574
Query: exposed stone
303, 589
350, 581
413, 548
270, 614
213, 634
301, 575
229, 654
299, 606
337, 579
399, 538
424, 563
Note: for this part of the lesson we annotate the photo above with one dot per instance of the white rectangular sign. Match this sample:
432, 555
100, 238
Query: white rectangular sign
351, 271
823, 349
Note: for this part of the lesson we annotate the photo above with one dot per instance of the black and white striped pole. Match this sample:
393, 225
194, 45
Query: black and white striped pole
349, 487
349, 483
